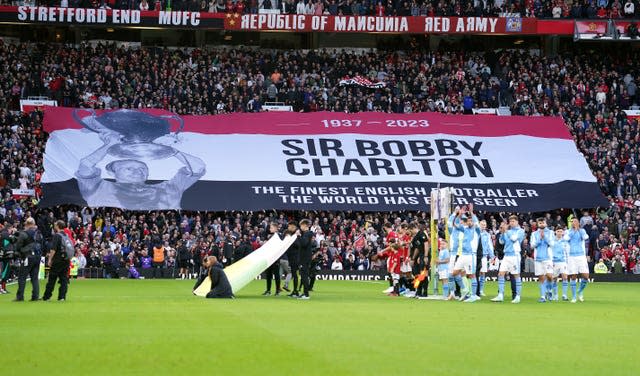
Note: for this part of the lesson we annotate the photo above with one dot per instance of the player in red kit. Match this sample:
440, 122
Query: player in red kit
392, 254
406, 276
391, 238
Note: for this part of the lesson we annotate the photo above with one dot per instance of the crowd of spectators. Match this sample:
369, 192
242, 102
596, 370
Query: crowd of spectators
588, 90
526, 8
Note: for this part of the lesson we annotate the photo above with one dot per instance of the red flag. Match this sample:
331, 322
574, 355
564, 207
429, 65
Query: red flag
359, 243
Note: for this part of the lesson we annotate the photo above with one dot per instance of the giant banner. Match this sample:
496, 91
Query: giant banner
151, 159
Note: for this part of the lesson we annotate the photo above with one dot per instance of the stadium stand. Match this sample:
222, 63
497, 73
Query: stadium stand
588, 90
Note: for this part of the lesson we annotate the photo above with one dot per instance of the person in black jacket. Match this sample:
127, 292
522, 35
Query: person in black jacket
184, 259
228, 250
273, 271
58, 264
220, 286
306, 253
29, 245
420, 256
293, 254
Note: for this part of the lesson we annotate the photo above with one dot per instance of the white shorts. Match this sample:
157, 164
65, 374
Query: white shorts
443, 274
577, 265
484, 266
495, 266
466, 263
543, 267
405, 267
452, 263
559, 268
510, 264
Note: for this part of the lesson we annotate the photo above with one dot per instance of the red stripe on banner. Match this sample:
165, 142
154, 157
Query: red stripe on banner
553, 27
270, 22
293, 123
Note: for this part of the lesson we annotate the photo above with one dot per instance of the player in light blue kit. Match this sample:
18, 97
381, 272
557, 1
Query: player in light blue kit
511, 237
560, 255
467, 224
443, 269
487, 254
577, 262
542, 242
455, 244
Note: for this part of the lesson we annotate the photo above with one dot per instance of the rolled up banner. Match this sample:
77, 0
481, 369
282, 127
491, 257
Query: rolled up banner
204, 288
244, 271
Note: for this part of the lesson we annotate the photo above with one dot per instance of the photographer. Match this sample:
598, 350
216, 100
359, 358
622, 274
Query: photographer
58, 261
28, 246
6, 256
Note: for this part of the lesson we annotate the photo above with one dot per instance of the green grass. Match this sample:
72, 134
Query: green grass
115, 327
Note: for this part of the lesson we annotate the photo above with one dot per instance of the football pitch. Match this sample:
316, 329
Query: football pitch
113, 327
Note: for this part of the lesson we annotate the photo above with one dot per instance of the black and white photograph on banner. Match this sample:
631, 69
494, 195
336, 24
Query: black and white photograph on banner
128, 140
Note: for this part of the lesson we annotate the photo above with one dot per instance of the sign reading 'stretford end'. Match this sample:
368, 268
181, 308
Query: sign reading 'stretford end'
151, 159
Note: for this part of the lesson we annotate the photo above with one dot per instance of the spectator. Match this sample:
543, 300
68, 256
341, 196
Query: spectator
601, 268
618, 265
557, 10
158, 260
300, 7
629, 9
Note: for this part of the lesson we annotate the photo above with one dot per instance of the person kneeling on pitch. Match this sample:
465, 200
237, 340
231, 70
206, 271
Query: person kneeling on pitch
220, 287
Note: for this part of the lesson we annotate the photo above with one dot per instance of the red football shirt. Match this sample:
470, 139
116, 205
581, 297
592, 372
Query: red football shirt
393, 261
391, 237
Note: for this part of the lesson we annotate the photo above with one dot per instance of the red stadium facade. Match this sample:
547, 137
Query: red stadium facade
299, 23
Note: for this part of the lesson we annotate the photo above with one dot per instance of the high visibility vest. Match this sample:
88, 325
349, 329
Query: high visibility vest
158, 254
75, 264
601, 268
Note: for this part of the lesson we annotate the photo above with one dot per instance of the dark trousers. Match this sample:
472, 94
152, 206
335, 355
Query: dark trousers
5, 270
214, 295
423, 286
304, 276
30, 270
313, 272
157, 269
58, 272
295, 266
273, 272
